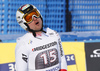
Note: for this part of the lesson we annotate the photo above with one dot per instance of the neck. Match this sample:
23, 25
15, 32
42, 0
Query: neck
38, 32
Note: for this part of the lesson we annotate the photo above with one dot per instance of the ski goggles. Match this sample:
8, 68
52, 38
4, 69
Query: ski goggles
28, 17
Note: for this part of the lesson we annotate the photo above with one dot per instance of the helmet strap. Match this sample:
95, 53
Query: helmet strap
34, 31
28, 29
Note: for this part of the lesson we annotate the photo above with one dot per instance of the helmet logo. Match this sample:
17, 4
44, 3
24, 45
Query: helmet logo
25, 6
28, 9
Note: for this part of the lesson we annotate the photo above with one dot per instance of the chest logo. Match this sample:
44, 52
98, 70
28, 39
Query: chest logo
45, 46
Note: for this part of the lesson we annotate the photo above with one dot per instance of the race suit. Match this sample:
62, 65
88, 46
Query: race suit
41, 53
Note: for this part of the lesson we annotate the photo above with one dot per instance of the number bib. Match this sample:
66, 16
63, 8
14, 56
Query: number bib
46, 59
44, 56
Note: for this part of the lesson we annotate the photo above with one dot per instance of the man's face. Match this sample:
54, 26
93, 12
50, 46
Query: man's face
36, 24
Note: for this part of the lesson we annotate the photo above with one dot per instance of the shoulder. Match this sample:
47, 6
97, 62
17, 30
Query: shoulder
21, 43
23, 39
52, 32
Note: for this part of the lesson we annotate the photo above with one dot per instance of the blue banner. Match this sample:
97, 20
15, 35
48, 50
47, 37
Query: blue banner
70, 59
8, 67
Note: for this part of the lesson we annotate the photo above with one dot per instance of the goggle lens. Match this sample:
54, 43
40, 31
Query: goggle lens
29, 17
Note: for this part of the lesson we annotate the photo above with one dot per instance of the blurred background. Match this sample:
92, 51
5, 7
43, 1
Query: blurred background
77, 20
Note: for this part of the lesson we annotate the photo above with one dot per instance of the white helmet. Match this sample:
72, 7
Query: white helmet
23, 15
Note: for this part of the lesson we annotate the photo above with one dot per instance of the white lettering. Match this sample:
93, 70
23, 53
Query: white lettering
11, 67
96, 51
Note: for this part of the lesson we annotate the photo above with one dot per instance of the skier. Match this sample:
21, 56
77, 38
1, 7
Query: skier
37, 50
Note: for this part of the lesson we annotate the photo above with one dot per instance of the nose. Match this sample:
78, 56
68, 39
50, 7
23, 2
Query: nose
34, 18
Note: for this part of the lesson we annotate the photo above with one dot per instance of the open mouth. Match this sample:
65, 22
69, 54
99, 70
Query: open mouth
37, 23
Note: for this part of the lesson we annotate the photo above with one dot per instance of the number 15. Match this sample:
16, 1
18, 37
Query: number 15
51, 55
